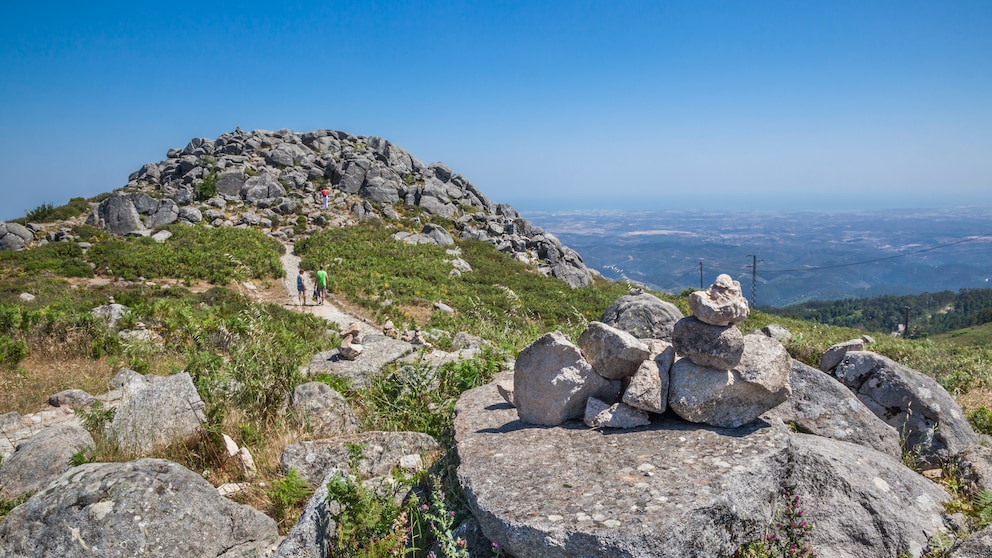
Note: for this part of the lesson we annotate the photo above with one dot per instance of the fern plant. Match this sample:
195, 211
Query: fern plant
983, 508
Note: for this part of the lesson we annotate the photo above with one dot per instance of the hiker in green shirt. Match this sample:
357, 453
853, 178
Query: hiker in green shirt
321, 285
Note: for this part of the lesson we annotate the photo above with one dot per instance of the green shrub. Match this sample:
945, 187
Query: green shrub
983, 508
207, 188
288, 493
10, 317
96, 417
194, 253
100, 197
64, 259
6, 506
81, 457
422, 398
12, 352
501, 300
88, 233
48, 213
981, 419
368, 521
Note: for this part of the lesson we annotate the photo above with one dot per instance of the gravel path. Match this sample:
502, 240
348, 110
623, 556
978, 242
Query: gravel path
328, 310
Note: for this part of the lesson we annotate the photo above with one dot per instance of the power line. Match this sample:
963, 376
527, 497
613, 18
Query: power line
962, 241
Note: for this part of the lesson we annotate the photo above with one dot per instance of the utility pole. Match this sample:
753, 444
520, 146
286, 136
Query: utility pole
754, 278
700, 274
906, 332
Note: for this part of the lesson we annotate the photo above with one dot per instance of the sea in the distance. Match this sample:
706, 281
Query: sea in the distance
800, 255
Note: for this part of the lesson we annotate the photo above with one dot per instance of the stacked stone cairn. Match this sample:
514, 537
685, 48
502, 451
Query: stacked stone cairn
706, 372
351, 347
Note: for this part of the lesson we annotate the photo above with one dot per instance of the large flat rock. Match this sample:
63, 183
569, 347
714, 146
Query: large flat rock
676, 489
379, 350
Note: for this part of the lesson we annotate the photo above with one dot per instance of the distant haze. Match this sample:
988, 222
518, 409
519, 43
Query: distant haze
802, 256
544, 105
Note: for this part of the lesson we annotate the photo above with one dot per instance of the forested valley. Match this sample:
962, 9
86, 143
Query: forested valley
928, 313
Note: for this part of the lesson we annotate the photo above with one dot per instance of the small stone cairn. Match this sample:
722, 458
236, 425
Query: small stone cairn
350, 342
710, 373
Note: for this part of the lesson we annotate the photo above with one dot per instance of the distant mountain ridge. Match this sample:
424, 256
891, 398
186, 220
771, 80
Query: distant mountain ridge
801, 255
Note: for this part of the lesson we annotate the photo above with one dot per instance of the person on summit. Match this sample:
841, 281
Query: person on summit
301, 288
321, 285
323, 194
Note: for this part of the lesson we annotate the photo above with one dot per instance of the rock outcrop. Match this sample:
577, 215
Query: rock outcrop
675, 489
325, 411
41, 459
553, 382
932, 423
976, 546
823, 406
377, 351
381, 452
667, 487
643, 315
148, 507
14, 236
155, 412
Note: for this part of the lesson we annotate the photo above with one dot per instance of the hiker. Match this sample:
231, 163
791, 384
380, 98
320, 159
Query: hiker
321, 285
301, 288
323, 194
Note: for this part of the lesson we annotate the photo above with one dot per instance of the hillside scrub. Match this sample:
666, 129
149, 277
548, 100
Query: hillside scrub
48, 213
501, 299
193, 253
929, 313
60, 258
975, 336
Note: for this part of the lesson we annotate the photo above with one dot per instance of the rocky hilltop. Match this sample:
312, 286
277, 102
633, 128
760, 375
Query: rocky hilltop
274, 180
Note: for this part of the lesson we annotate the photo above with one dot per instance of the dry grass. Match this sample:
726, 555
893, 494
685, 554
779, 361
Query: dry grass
27, 388
980, 397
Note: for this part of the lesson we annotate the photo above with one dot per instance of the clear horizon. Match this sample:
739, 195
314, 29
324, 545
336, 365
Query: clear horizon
562, 105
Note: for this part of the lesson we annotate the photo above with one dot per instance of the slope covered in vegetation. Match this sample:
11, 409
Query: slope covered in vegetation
929, 313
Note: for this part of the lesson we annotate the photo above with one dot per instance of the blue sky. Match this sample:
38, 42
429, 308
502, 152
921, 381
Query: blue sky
612, 104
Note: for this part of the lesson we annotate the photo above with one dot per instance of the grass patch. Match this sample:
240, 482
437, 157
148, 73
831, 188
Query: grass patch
975, 336
64, 259
501, 299
48, 213
420, 398
217, 255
